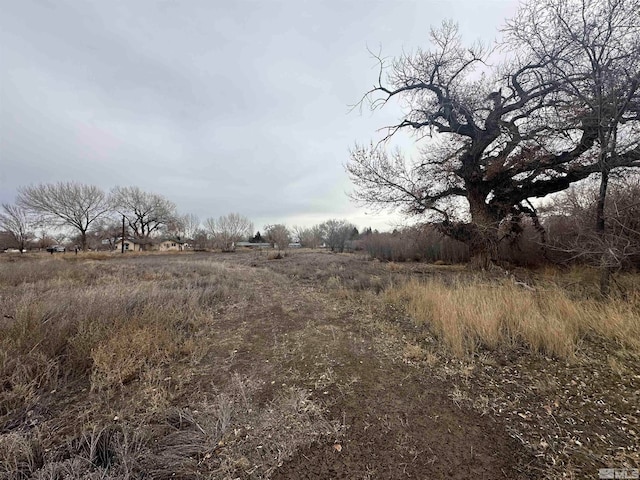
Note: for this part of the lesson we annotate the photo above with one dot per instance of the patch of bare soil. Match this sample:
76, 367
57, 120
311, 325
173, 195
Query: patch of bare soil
400, 426
577, 417
570, 417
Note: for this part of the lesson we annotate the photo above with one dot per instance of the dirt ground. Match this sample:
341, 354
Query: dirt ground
316, 374
398, 422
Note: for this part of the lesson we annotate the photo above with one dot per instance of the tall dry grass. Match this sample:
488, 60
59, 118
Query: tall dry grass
468, 316
120, 369
100, 324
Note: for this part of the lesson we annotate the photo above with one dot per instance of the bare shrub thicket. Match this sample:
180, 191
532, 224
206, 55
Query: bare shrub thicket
420, 243
570, 221
337, 234
278, 235
522, 244
309, 237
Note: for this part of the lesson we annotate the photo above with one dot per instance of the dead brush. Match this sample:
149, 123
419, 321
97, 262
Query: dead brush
276, 255
110, 330
259, 448
120, 358
21, 455
123, 353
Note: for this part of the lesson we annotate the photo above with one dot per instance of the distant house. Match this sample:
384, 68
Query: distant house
171, 245
130, 245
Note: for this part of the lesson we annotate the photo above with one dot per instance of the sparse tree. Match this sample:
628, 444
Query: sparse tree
311, 237
497, 139
278, 235
17, 222
146, 213
228, 229
189, 225
66, 204
337, 233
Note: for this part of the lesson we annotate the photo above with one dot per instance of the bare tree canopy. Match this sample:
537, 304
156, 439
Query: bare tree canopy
67, 204
278, 235
146, 213
18, 223
337, 233
228, 229
594, 55
105, 233
498, 135
189, 225
311, 237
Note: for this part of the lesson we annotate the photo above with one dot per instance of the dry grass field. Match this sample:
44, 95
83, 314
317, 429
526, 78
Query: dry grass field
314, 366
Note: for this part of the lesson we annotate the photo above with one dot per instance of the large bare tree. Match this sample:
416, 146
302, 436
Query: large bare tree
146, 213
66, 204
492, 138
18, 223
226, 230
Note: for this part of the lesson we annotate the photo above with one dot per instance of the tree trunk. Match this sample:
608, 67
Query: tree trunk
483, 255
605, 266
605, 280
481, 235
602, 195
483, 241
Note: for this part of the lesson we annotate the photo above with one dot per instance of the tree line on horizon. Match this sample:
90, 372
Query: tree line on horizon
96, 217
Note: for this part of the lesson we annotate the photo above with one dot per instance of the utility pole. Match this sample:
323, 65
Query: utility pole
122, 241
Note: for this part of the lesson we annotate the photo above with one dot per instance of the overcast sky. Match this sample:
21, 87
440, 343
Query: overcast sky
221, 106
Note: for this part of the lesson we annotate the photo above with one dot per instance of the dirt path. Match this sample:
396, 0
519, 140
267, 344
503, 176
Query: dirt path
399, 422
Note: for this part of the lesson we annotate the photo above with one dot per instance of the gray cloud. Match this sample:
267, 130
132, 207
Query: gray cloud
220, 106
